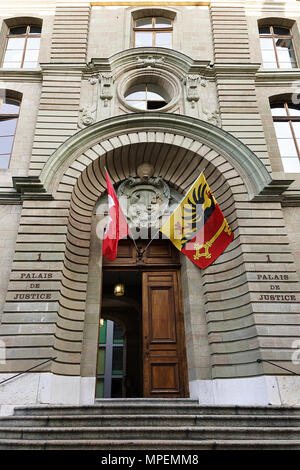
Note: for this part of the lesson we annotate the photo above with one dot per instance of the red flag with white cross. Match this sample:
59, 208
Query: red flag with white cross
117, 227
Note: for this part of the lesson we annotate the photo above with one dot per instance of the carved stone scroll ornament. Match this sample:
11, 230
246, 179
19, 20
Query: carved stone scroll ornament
150, 61
106, 85
87, 116
192, 84
213, 117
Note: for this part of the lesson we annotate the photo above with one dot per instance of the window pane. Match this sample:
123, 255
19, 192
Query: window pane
285, 53
100, 388
296, 127
116, 388
264, 30
291, 165
294, 109
33, 43
155, 104
283, 130
118, 333
35, 30
266, 44
268, 57
8, 127
29, 65
137, 95
143, 39
154, 96
287, 148
278, 110
138, 104
4, 161
6, 144
163, 39
18, 30
15, 44
11, 65
13, 55
281, 31
101, 361
117, 360
9, 106
103, 328
270, 65
31, 56
163, 23
144, 23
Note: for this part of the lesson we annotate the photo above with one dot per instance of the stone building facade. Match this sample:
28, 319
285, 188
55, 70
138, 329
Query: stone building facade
220, 96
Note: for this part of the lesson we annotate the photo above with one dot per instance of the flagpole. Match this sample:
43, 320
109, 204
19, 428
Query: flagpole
131, 237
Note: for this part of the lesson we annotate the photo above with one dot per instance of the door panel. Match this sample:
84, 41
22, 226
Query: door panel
159, 253
163, 336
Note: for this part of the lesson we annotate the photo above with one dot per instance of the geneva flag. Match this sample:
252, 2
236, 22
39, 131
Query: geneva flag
198, 227
116, 227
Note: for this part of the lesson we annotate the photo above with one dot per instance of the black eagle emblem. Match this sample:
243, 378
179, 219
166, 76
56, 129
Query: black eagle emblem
198, 208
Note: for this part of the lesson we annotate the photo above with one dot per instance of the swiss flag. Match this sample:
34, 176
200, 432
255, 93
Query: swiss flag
117, 227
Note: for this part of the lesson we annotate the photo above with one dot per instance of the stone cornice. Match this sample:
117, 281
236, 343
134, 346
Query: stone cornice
277, 77
21, 75
128, 59
62, 67
24, 188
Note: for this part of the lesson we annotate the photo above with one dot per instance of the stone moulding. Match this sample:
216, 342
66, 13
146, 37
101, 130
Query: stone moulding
247, 164
161, 78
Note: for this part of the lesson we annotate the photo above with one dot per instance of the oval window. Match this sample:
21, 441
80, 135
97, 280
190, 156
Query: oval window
146, 97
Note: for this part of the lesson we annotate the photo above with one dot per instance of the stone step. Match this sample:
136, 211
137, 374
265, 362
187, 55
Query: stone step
205, 444
162, 401
149, 420
152, 407
152, 433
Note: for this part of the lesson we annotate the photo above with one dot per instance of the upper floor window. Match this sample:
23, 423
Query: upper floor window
277, 47
286, 117
153, 32
22, 47
9, 113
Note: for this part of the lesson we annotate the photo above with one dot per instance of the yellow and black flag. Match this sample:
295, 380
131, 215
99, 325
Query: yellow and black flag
198, 227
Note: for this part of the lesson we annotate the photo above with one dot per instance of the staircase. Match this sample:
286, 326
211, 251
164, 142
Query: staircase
150, 424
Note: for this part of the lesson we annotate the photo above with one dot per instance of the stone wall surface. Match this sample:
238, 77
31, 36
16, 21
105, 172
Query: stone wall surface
50, 287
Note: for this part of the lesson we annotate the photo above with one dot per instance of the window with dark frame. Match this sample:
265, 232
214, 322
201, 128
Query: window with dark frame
153, 32
22, 47
286, 118
277, 47
9, 113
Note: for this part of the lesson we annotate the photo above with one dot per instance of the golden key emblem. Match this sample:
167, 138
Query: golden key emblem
207, 245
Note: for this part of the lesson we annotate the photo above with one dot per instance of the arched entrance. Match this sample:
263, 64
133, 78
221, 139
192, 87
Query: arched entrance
221, 304
152, 314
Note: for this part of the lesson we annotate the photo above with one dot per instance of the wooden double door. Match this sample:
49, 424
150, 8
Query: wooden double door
164, 367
